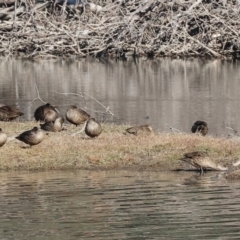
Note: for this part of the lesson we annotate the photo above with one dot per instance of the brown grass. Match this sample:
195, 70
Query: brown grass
112, 149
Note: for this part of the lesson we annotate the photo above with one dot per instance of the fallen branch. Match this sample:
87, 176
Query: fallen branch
83, 128
82, 96
39, 98
173, 129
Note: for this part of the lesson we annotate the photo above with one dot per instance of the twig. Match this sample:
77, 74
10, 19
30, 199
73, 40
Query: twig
230, 128
173, 129
15, 14
82, 95
83, 128
38, 95
107, 108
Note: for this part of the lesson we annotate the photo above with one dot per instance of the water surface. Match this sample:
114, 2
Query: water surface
118, 205
162, 92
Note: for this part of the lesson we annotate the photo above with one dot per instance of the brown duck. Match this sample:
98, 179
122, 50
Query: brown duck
233, 175
32, 137
76, 116
140, 129
8, 113
93, 128
3, 138
53, 126
200, 127
46, 113
200, 161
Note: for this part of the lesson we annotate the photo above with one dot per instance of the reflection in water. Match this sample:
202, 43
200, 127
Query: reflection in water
117, 205
158, 92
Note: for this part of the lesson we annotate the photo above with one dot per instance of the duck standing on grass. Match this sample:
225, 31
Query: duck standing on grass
200, 127
93, 128
8, 113
3, 138
140, 129
32, 137
53, 126
45, 113
76, 116
200, 161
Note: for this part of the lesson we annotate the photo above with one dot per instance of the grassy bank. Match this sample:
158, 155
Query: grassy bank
112, 149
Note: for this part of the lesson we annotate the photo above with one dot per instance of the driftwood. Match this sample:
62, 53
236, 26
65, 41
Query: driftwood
120, 28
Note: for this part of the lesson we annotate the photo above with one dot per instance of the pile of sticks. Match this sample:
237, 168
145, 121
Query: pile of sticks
120, 28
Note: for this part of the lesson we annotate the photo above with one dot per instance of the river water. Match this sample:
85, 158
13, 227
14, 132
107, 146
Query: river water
122, 204
118, 205
164, 93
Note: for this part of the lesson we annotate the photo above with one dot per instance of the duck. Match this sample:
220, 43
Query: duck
233, 175
76, 115
200, 161
8, 113
200, 127
32, 137
135, 130
3, 138
93, 128
45, 113
53, 126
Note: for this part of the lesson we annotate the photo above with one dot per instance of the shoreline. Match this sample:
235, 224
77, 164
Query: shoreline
112, 150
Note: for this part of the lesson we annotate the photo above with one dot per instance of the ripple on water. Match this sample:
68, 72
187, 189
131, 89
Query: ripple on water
118, 205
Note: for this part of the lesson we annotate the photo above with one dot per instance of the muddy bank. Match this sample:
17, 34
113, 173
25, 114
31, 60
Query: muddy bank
120, 29
111, 150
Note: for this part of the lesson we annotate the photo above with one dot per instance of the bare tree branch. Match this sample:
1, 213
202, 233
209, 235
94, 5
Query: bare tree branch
82, 96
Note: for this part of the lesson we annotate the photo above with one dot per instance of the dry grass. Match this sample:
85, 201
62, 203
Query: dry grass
112, 149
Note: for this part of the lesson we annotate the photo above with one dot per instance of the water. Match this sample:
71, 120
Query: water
162, 93
124, 204
118, 205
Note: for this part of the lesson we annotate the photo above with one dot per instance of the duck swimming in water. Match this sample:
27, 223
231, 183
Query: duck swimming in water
8, 113
200, 127
3, 138
93, 128
76, 116
46, 113
32, 137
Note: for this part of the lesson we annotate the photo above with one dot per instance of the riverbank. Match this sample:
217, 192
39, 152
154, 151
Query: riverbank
111, 150
121, 29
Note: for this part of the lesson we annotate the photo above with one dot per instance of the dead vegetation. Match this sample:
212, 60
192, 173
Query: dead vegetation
120, 29
111, 150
